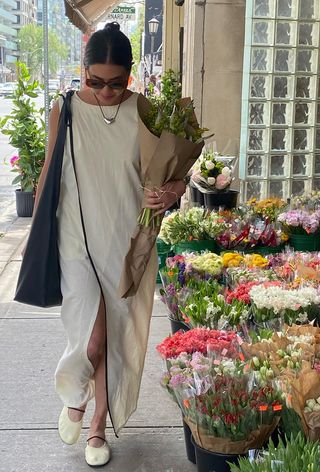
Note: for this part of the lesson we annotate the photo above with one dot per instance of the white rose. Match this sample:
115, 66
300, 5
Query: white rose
211, 180
209, 165
226, 171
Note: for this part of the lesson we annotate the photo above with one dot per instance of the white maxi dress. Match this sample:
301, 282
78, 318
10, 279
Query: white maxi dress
108, 170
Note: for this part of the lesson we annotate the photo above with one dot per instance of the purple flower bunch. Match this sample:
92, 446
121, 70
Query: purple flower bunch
300, 221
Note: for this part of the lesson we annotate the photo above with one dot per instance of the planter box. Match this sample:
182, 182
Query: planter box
24, 203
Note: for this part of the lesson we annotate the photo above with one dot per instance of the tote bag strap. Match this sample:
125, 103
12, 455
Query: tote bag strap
69, 124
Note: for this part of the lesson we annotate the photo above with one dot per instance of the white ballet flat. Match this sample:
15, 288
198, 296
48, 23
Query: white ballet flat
69, 431
97, 456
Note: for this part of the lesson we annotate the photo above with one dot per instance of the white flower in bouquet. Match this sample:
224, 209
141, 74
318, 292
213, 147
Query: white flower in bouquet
211, 180
209, 165
226, 171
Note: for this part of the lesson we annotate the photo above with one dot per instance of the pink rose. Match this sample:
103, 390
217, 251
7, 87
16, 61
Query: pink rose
14, 160
222, 181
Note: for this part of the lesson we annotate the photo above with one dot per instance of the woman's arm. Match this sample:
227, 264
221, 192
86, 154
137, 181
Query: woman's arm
53, 129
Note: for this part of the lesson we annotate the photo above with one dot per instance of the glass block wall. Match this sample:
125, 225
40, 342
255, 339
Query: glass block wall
280, 124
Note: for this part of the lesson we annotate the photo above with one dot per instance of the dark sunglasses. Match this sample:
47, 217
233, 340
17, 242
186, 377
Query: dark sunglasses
99, 84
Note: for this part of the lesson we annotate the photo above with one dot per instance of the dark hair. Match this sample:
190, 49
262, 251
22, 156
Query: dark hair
109, 46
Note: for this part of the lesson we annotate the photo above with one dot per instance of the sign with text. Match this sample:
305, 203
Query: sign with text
122, 14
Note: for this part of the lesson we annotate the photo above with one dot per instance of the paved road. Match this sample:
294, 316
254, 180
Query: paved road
7, 195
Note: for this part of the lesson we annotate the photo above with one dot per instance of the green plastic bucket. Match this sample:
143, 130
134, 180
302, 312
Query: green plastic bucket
164, 251
305, 242
195, 246
264, 250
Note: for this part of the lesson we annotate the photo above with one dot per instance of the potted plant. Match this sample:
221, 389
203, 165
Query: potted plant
26, 130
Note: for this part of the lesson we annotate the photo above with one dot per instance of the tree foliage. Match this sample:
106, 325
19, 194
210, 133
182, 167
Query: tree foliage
32, 49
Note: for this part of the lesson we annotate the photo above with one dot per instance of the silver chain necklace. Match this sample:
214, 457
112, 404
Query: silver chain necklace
109, 121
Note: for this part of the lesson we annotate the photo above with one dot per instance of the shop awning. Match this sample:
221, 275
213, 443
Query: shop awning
86, 13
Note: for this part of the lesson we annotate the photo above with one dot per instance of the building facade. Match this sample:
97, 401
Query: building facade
8, 38
26, 12
252, 67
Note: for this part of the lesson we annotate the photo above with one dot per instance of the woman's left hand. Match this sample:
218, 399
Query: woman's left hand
163, 198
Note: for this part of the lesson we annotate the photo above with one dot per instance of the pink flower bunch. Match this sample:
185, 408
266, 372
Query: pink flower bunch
14, 160
198, 339
241, 293
172, 262
297, 220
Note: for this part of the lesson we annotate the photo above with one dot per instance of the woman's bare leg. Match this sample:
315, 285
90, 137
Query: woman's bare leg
96, 354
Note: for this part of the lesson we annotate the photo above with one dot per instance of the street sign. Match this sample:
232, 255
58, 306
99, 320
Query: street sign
122, 14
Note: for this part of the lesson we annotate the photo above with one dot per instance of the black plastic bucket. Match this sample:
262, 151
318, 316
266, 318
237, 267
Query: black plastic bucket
177, 325
208, 461
191, 454
216, 200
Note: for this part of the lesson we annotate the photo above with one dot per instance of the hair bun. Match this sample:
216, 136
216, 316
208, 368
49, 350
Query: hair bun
113, 26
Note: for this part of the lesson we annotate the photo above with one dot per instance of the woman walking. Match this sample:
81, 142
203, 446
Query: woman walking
107, 336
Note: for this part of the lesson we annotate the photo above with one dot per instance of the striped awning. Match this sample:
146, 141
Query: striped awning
85, 14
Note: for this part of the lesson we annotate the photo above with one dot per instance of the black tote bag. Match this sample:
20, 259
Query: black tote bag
39, 277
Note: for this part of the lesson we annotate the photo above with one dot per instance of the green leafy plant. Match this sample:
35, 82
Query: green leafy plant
26, 130
296, 456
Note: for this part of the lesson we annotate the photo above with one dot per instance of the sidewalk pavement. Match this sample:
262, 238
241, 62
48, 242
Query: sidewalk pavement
31, 342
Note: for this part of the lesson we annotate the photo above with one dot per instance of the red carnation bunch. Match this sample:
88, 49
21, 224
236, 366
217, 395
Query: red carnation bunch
199, 340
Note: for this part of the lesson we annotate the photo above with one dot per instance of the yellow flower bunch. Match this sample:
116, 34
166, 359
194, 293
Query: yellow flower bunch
232, 259
255, 260
267, 208
207, 263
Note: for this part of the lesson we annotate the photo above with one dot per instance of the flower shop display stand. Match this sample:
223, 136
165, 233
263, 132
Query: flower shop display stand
196, 196
305, 242
216, 200
208, 461
164, 251
263, 250
24, 203
177, 325
195, 246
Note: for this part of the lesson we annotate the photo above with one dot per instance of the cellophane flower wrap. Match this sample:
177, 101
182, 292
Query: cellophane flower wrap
184, 275
219, 396
270, 302
188, 225
300, 221
213, 172
168, 149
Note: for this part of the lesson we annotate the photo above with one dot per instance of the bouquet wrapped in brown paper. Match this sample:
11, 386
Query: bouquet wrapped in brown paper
226, 408
165, 156
305, 401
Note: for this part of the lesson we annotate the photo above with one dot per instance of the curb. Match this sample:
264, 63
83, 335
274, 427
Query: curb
13, 241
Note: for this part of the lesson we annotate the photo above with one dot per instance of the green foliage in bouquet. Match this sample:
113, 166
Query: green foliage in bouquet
210, 166
195, 223
296, 456
169, 113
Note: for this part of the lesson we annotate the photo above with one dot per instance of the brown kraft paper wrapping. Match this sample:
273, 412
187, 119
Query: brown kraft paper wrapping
163, 159
307, 387
224, 445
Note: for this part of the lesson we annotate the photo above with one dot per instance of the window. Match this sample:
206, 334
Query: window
280, 139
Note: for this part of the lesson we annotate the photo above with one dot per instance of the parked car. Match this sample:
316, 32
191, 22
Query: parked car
7, 88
